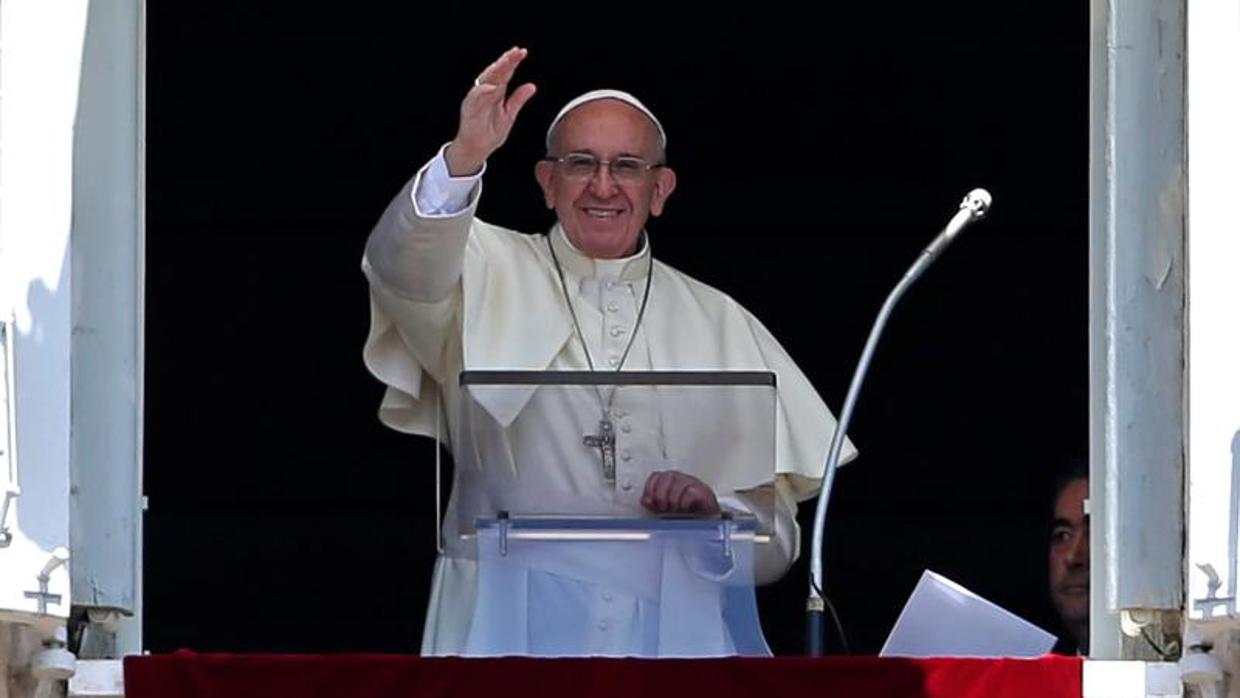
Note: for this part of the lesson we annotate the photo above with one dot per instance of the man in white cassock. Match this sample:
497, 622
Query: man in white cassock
451, 293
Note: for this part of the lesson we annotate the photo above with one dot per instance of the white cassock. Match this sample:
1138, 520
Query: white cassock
450, 293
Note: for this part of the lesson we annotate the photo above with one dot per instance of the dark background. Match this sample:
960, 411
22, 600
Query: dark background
817, 153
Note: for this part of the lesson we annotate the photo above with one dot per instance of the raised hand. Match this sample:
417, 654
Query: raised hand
487, 114
674, 492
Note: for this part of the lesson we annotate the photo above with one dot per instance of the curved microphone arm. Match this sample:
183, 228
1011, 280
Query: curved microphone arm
974, 206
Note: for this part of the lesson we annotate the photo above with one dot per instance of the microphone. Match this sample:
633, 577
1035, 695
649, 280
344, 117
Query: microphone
974, 206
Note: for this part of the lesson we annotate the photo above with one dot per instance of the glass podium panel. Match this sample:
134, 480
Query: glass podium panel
581, 586
584, 443
550, 472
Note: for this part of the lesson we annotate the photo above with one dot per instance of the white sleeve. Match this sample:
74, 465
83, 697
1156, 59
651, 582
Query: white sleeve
439, 194
772, 559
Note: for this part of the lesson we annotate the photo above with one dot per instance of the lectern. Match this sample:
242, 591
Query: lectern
550, 472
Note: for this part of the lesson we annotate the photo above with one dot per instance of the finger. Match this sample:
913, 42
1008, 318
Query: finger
517, 100
648, 491
490, 70
663, 495
656, 490
689, 498
484, 94
696, 497
703, 500
676, 493
512, 59
500, 72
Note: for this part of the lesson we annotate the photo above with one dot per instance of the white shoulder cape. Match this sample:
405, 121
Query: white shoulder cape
512, 317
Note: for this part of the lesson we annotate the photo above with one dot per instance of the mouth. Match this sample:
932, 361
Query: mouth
600, 213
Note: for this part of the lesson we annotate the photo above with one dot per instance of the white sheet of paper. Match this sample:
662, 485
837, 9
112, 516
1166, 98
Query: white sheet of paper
943, 619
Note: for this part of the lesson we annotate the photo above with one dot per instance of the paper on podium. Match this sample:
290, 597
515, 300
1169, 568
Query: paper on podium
943, 619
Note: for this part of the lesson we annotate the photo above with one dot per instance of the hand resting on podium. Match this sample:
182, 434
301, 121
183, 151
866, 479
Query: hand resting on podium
674, 492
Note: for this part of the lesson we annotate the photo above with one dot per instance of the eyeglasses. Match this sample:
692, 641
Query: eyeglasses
626, 168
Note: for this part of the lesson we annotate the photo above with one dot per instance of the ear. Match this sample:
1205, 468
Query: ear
664, 185
543, 172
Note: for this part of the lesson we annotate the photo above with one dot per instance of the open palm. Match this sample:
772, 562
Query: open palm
488, 113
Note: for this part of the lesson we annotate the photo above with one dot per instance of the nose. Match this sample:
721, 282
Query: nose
1078, 552
601, 182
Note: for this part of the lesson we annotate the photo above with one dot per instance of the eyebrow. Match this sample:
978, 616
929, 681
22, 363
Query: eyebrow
1060, 521
585, 151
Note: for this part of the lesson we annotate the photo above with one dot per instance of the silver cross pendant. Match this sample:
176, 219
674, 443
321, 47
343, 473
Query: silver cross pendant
605, 442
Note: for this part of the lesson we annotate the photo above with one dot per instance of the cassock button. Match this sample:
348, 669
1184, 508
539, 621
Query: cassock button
602, 625
607, 596
613, 307
614, 360
626, 485
626, 455
617, 331
626, 428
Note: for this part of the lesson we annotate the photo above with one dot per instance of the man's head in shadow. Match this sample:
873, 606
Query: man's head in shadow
1069, 552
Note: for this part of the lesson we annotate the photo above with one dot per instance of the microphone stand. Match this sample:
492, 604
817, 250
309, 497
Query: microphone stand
972, 208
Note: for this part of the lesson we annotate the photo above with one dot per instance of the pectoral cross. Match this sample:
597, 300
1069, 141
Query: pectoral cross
605, 442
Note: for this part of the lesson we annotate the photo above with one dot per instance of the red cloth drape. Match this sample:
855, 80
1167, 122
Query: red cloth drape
190, 675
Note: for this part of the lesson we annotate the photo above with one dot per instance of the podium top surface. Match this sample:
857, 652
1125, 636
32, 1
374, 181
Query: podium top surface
651, 378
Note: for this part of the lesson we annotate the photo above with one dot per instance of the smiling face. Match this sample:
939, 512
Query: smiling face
603, 217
